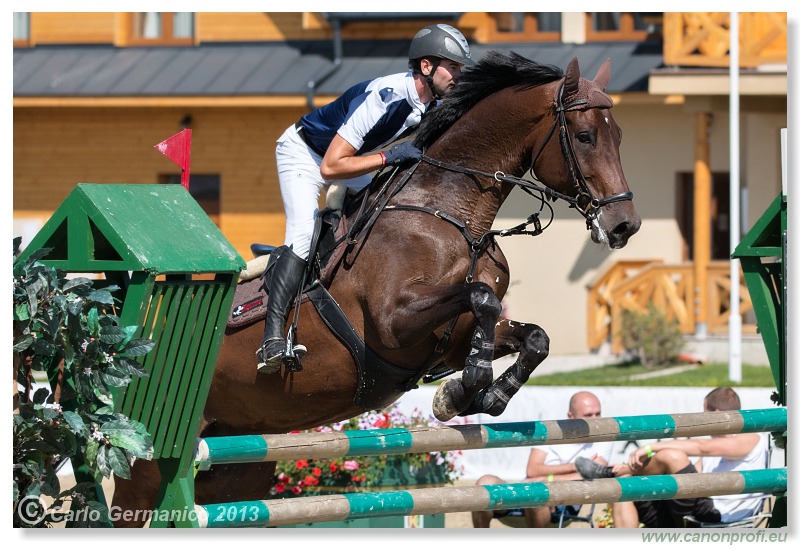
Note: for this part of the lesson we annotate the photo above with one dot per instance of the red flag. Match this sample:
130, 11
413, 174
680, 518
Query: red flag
178, 149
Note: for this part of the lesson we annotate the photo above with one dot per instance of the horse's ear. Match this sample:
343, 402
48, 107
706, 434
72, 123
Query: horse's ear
571, 78
603, 74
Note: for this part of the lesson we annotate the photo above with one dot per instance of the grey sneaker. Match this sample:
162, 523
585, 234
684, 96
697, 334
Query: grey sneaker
589, 469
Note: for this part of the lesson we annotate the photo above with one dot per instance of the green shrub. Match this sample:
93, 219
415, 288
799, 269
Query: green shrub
650, 336
66, 329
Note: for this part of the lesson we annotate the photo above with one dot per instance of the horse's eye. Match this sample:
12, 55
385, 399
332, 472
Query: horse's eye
584, 137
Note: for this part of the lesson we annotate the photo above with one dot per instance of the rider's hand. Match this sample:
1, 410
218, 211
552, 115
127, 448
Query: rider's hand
401, 153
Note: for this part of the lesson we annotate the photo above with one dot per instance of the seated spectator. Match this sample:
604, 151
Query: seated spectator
553, 462
720, 453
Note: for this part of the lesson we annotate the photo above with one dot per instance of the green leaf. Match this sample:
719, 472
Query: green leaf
130, 366
115, 380
43, 347
112, 335
40, 395
93, 325
101, 297
23, 343
75, 422
21, 312
90, 454
102, 461
117, 463
78, 283
132, 441
140, 346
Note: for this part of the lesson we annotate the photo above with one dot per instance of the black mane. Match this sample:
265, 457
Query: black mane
494, 72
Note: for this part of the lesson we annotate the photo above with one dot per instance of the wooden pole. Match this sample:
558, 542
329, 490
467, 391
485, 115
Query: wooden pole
702, 220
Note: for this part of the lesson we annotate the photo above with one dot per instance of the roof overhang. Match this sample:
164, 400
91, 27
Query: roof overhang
762, 82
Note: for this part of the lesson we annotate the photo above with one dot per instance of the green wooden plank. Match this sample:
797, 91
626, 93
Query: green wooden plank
220, 307
163, 335
182, 327
153, 329
174, 326
184, 405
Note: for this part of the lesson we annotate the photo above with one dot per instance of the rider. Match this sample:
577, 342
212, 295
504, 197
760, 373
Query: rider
336, 142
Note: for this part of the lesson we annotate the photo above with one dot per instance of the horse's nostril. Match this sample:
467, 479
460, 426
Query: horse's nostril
621, 229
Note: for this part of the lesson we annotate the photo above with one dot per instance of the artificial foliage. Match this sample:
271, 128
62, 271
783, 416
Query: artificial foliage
66, 328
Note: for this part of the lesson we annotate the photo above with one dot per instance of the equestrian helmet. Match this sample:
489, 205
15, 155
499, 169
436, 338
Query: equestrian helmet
442, 41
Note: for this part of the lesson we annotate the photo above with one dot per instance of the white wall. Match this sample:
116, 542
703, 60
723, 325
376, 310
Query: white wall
550, 273
551, 403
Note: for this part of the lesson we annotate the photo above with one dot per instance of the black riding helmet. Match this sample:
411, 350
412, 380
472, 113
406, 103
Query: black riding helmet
437, 42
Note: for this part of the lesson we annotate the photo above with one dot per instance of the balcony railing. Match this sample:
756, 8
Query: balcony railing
632, 285
702, 39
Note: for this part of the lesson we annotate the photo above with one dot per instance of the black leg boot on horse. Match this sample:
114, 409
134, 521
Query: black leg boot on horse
287, 278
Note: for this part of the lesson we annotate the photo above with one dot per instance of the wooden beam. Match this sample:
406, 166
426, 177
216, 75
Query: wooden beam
702, 218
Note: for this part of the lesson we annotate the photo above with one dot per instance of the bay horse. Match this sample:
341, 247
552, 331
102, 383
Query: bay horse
429, 264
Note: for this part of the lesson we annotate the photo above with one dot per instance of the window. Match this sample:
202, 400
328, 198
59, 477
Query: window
205, 188
622, 26
22, 29
509, 26
719, 215
162, 28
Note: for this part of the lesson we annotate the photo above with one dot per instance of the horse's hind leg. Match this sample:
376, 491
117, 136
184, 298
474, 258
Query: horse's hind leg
533, 346
455, 395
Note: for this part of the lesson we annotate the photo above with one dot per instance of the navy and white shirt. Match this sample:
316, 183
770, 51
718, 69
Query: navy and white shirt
368, 116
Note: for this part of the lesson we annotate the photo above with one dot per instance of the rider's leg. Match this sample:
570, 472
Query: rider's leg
287, 276
300, 182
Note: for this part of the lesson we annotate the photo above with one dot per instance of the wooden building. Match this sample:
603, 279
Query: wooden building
94, 92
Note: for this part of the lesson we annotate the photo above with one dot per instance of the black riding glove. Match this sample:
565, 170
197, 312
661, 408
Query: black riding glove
401, 153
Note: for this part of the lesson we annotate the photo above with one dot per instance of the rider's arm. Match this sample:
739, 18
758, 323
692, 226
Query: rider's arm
340, 161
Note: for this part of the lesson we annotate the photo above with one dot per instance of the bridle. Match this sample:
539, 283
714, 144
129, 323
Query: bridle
584, 201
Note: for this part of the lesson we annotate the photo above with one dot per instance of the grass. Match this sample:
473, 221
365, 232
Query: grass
709, 375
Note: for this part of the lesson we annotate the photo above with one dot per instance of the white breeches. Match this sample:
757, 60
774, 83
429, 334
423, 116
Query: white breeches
301, 182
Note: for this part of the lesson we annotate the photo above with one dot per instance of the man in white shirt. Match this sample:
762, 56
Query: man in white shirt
721, 453
553, 462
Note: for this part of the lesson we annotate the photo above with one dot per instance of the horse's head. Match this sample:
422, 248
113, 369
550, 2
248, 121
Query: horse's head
579, 157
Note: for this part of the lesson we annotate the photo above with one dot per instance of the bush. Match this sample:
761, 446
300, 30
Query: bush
65, 329
650, 336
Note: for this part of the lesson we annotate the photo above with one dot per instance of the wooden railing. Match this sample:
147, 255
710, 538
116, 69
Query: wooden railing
632, 285
703, 39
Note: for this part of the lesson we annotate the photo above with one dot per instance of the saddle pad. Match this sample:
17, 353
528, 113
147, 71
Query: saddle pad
249, 304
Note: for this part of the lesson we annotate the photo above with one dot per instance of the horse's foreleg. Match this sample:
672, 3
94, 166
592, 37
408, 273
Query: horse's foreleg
533, 346
455, 395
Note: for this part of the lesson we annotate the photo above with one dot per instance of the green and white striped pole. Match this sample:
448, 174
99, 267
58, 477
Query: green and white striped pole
266, 448
291, 511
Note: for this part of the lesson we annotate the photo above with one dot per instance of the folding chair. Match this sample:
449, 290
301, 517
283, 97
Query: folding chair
759, 519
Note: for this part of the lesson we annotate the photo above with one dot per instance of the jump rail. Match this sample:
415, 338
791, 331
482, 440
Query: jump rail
268, 513
266, 448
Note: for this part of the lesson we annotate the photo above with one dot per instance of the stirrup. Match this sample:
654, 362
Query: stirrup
279, 356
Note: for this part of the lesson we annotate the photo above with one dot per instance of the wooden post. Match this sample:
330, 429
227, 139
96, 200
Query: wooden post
702, 219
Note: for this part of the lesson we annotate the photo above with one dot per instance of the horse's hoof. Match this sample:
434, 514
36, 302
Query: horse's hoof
444, 402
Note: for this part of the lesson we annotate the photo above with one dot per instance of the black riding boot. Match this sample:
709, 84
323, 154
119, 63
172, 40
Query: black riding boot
287, 276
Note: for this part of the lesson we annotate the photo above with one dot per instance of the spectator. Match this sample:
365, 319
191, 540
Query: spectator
721, 453
553, 462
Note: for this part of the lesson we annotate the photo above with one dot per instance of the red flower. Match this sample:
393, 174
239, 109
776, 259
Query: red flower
316, 471
311, 480
333, 467
280, 487
301, 464
296, 490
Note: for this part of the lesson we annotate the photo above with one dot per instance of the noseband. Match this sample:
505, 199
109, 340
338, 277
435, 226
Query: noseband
584, 201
